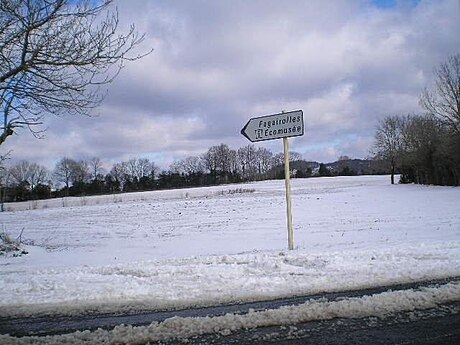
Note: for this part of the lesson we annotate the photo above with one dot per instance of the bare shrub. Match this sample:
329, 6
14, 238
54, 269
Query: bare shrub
8, 245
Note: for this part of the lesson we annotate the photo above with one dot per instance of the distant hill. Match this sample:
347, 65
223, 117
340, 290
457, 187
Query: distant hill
355, 166
302, 168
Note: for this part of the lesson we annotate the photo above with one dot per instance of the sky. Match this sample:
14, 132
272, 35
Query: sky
215, 64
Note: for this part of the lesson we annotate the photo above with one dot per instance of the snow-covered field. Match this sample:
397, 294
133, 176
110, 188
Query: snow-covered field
205, 246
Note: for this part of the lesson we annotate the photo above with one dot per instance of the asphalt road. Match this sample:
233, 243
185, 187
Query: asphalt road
434, 326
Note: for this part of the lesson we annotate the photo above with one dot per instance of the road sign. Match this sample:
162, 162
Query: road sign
277, 126
282, 125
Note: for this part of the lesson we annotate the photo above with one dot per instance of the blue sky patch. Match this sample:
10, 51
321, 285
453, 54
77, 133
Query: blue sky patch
394, 3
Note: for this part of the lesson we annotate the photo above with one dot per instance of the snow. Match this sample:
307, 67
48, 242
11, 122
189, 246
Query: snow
379, 305
206, 246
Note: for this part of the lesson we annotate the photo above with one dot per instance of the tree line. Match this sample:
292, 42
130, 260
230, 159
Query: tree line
219, 164
425, 148
419, 148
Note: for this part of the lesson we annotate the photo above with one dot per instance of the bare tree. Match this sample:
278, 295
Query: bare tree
293, 156
80, 172
144, 167
20, 172
425, 151
119, 172
219, 161
133, 169
189, 165
264, 159
38, 175
443, 101
389, 141
421, 146
278, 159
139, 167
176, 167
223, 156
55, 56
5, 179
153, 171
96, 168
63, 171
193, 165
247, 159
233, 161
31, 173
209, 159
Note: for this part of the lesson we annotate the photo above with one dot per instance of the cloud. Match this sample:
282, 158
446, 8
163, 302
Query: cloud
218, 63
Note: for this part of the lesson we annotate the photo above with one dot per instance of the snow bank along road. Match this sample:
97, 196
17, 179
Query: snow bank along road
46, 325
399, 314
208, 246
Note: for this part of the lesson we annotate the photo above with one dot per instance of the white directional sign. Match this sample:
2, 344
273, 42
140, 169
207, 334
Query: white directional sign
275, 126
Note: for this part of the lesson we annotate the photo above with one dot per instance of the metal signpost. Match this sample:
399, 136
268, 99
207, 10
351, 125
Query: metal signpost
277, 126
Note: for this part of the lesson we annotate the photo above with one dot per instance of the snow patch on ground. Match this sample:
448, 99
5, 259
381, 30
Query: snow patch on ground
206, 246
213, 280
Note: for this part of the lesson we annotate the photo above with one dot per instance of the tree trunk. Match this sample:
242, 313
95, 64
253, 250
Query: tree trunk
392, 172
6, 133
